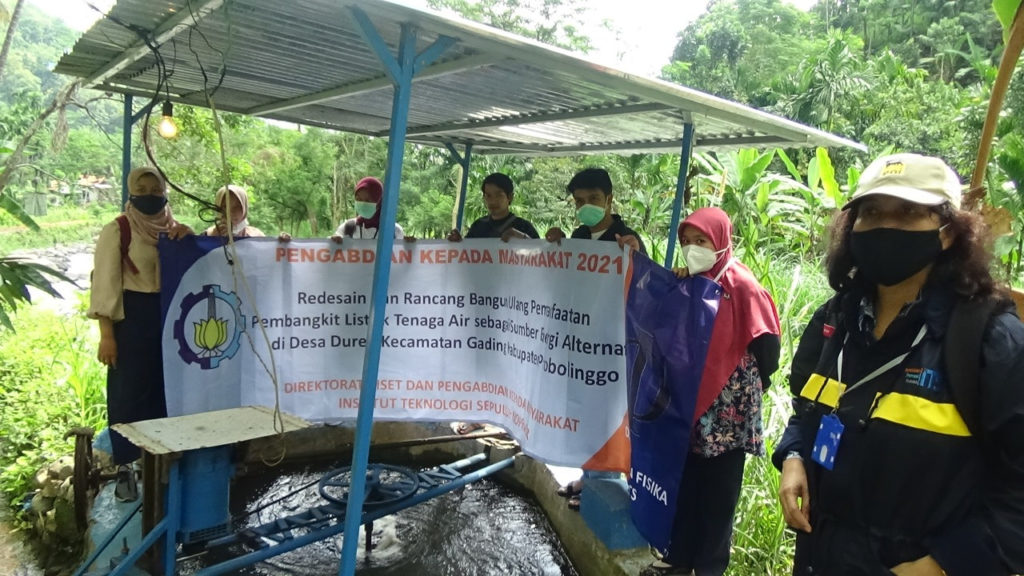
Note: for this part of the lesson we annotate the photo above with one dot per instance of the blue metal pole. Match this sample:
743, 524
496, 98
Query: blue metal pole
677, 204
464, 161
378, 301
128, 563
126, 146
102, 546
401, 72
173, 517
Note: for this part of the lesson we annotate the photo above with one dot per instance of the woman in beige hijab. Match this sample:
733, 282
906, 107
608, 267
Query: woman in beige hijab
125, 299
239, 214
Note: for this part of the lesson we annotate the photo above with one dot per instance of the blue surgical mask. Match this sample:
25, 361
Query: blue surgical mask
590, 215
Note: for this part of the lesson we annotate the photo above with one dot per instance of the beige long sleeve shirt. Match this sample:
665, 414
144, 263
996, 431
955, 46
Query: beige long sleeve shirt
110, 278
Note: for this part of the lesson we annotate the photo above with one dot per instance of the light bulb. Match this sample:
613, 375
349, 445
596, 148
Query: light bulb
167, 128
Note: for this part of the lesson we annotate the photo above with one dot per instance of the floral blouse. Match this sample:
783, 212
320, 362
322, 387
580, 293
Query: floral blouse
734, 419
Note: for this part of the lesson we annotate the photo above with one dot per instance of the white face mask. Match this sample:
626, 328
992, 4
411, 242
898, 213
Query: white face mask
240, 227
698, 258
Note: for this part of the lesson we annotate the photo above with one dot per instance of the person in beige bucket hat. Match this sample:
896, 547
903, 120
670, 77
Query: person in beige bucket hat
905, 452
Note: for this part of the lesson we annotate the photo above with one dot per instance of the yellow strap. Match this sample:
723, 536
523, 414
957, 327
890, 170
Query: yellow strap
920, 413
823, 390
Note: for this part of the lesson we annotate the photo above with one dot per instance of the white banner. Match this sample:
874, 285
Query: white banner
526, 335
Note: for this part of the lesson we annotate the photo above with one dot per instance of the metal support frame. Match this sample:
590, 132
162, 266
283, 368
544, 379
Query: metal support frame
677, 204
102, 546
462, 160
318, 520
609, 109
128, 120
167, 529
401, 70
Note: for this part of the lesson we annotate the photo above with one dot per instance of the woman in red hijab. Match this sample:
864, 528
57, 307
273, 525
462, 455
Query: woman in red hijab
742, 355
369, 193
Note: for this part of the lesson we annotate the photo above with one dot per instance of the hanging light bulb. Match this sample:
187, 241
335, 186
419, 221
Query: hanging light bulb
167, 128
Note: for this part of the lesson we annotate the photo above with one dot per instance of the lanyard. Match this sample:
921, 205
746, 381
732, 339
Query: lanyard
362, 231
881, 369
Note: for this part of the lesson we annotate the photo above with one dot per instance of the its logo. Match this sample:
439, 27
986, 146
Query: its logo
925, 378
893, 169
209, 327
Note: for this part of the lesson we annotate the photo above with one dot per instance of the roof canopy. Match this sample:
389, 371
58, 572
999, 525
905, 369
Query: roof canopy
306, 61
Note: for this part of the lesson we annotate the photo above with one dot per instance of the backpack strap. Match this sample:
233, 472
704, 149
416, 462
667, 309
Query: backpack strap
126, 239
349, 230
962, 351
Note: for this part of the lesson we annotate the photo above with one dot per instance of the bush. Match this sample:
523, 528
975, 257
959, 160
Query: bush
49, 382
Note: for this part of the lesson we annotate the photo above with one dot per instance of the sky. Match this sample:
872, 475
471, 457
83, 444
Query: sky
646, 29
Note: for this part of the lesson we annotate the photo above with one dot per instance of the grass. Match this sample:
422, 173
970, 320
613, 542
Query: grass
761, 544
61, 226
49, 383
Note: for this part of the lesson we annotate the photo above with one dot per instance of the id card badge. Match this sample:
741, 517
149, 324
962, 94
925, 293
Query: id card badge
826, 443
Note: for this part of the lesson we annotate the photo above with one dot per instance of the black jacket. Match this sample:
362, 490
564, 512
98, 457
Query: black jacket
618, 227
487, 227
909, 479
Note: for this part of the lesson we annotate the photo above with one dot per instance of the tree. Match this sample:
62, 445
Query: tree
737, 47
554, 22
825, 83
12, 25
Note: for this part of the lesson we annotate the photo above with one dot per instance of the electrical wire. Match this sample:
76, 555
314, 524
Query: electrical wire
230, 252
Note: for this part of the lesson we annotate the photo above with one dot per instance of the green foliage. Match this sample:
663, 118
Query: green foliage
736, 49
49, 383
554, 22
761, 543
1006, 10
1010, 196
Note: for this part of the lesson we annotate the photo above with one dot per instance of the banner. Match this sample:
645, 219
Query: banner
526, 335
668, 329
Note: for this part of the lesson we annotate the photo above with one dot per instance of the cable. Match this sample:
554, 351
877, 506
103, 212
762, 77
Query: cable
231, 253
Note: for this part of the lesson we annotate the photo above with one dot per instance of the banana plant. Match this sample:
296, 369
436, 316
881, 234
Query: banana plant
1011, 16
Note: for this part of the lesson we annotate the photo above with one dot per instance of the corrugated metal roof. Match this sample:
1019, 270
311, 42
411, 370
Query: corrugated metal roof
305, 61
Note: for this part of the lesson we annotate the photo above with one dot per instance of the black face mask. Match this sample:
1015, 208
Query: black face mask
888, 256
148, 205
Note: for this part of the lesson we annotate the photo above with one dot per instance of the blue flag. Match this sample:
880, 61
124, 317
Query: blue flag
668, 330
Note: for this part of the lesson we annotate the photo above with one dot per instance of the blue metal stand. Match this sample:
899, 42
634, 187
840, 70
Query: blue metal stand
463, 160
401, 71
677, 204
129, 119
166, 528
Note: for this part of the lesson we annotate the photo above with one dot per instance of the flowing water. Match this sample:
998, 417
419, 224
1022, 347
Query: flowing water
483, 529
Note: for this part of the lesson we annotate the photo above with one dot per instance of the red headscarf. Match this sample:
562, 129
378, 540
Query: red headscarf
376, 190
745, 312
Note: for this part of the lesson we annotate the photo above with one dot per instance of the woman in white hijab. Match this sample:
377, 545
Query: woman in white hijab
239, 214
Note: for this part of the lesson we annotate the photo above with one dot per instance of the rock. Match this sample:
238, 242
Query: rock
49, 488
41, 504
63, 468
66, 490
